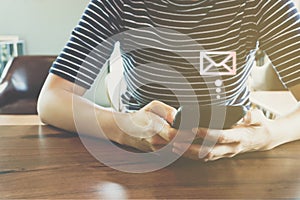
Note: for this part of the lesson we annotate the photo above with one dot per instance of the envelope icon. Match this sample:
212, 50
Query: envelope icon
208, 66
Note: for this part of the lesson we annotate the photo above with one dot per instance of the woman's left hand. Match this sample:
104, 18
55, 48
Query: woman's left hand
252, 134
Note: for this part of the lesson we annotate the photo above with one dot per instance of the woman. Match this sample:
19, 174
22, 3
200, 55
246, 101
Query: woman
162, 40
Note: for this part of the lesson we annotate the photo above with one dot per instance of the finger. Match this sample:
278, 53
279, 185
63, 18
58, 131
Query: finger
209, 134
157, 147
167, 132
218, 136
185, 150
158, 126
222, 151
257, 117
148, 147
254, 117
180, 135
197, 152
247, 118
193, 151
144, 124
200, 132
140, 144
149, 144
156, 140
161, 109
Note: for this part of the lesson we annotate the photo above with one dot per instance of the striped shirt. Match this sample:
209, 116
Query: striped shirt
162, 40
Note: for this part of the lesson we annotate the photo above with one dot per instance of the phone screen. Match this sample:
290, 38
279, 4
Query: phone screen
217, 117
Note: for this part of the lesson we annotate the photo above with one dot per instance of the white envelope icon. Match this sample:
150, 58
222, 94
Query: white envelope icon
210, 67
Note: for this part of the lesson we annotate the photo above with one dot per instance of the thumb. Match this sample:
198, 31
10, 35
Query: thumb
254, 117
161, 109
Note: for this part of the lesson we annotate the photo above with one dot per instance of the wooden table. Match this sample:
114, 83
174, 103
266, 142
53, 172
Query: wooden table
41, 162
20, 120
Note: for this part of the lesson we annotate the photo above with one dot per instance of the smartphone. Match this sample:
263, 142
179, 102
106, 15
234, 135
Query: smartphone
217, 117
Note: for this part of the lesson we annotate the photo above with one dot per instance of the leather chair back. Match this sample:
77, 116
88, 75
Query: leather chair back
21, 83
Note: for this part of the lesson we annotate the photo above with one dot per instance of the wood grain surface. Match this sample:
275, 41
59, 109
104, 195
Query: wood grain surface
41, 162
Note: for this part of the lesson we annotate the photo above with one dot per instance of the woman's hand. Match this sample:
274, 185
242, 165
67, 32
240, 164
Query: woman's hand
147, 129
252, 134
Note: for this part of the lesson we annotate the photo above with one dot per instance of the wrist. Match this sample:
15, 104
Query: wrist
109, 122
128, 132
285, 128
273, 141
277, 135
122, 123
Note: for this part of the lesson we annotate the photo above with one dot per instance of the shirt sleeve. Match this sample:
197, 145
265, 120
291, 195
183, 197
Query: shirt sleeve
279, 36
90, 43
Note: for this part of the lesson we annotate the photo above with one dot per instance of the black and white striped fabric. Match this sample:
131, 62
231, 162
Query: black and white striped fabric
161, 42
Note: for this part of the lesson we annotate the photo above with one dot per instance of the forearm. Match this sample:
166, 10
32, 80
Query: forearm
286, 128
63, 109
71, 112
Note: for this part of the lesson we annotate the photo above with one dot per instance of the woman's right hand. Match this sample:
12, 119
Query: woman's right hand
149, 128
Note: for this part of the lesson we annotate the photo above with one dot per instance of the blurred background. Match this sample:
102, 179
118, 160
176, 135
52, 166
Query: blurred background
42, 27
